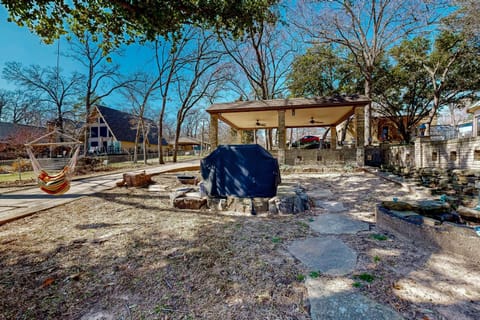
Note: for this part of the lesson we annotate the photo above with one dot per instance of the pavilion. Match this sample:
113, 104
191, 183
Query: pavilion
292, 113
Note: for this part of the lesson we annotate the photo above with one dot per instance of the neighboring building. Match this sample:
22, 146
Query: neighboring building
187, 144
475, 110
465, 130
13, 137
113, 132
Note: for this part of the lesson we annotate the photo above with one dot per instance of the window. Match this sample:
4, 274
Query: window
385, 135
103, 131
453, 155
476, 155
94, 132
478, 126
434, 156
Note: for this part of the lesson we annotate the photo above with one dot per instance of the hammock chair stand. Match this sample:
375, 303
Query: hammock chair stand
58, 183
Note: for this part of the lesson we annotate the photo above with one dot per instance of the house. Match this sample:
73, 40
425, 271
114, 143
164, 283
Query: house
13, 137
475, 110
187, 145
112, 131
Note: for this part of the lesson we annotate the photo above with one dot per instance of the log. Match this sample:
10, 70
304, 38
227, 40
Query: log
137, 179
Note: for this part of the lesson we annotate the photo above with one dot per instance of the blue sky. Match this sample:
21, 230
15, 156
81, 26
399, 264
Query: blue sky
20, 45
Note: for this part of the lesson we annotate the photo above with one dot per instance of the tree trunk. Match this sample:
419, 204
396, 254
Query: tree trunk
368, 110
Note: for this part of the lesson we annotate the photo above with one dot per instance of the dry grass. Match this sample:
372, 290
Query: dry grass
126, 254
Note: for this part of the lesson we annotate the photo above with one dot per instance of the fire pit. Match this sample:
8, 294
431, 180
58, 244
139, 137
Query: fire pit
184, 179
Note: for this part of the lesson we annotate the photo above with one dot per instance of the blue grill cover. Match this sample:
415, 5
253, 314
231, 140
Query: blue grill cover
244, 171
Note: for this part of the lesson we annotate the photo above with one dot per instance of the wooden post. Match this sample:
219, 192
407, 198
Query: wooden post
282, 137
333, 137
360, 135
213, 131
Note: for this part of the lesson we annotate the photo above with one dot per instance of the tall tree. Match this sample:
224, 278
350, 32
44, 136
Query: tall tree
465, 19
367, 28
4, 100
122, 21
402, 88
168, 59
323, 71
48, 83
452, 64
102, 75
263, 57
140, 94
201, 79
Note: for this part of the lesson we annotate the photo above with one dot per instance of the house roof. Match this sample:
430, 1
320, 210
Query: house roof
23, 133
186, 141
303, 112
474, 107
123, 126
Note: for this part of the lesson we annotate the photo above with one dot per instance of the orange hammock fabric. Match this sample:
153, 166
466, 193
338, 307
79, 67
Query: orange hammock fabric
55, 185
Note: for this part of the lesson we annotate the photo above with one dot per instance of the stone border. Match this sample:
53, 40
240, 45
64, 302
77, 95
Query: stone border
447, 236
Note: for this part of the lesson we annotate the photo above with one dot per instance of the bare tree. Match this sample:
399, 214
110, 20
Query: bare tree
4, 100
367, 28
202, 77
48, 84
139, 94
102, 75
168, 58
263, 57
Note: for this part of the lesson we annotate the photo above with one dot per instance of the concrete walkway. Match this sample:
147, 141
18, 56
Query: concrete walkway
18, 204
333, 297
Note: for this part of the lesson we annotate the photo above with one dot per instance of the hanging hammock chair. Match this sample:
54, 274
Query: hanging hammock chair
63, 151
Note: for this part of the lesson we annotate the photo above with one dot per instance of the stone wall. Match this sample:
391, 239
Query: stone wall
399, 156
449, 154
323, 157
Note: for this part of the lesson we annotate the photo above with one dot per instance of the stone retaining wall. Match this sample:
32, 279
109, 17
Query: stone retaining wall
447, 237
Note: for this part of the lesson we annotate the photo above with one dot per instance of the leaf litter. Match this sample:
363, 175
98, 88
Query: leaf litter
127, 254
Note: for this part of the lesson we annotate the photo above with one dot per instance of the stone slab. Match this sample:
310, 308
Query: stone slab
320, 194
334, 299
330, 206
328, 255
332, 223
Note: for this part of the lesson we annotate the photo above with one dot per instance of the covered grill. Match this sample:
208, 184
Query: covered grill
244, 171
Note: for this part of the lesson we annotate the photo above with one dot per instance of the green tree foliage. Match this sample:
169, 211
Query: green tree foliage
121, 21
465, 19
423, 76
402, 91
323, 71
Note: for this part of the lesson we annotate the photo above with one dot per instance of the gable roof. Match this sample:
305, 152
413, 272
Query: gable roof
9, 131
123, 127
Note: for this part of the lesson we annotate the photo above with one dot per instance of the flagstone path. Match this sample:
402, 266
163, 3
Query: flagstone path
333, 297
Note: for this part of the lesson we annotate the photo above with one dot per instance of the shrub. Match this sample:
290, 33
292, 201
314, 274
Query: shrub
21, 165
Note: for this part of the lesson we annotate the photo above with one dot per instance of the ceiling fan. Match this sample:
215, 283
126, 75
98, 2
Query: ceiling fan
260, 124
313, 121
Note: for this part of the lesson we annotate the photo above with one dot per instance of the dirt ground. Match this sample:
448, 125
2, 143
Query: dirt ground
127, 254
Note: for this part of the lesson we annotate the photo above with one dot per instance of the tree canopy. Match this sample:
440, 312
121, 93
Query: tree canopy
120, 21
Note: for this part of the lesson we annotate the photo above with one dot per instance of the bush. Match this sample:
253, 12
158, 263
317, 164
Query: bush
21, 165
